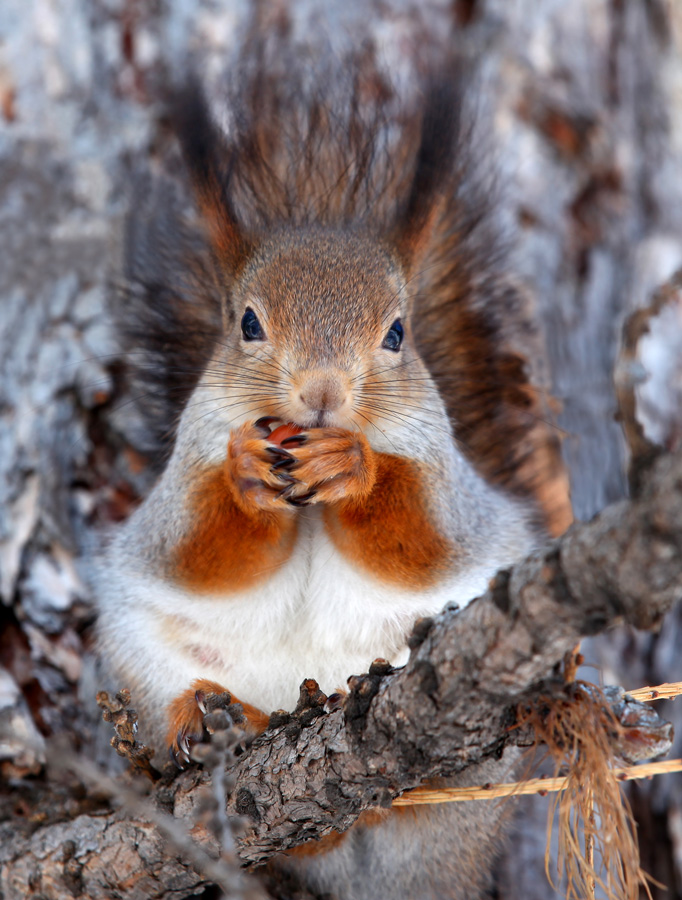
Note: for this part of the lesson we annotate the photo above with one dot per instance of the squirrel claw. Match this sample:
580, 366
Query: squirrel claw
180, 756
174, 758
266, 421
285, 463
303, 500
294, 439
283, 476
183, 743
200, 698
280, 455
285, 493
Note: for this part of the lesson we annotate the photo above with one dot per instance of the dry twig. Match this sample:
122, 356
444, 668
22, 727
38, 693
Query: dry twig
125, 743
542, 786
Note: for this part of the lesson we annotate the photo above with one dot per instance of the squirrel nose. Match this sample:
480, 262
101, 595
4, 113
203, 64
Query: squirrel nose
323, 392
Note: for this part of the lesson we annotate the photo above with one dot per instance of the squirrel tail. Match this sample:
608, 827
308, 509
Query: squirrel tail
338, 146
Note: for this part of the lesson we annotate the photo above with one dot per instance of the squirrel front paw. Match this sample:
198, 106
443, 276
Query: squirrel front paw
321, 465
329, 464
257, 469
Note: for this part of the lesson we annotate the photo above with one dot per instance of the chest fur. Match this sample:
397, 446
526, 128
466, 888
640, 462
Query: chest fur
317, 616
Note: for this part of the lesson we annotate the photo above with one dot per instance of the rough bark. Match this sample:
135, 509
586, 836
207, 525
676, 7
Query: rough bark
451, 706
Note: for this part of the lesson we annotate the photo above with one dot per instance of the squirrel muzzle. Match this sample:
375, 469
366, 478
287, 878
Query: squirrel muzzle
321, 397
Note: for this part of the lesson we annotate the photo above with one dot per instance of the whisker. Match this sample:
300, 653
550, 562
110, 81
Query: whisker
407, 418
376, 428
400, 404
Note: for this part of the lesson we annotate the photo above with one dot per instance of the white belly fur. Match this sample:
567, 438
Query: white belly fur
317, 617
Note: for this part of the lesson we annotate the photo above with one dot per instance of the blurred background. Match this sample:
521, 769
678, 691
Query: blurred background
581, 101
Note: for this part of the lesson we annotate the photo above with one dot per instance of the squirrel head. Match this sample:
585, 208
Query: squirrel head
317, 269
320, 332
330, 194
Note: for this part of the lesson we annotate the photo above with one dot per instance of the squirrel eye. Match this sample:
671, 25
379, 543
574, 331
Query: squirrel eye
251, 327
394, 337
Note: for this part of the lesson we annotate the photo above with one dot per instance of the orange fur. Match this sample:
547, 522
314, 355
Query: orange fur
185, 717
367, 819
228, 548
205, 152
227, 241
313, 847
336, 463
551, 487
370, 818
389, 532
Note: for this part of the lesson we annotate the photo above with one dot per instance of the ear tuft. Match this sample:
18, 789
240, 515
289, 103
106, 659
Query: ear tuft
435, 167
210, 160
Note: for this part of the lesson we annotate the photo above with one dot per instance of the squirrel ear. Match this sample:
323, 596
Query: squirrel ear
435, 169
210, 160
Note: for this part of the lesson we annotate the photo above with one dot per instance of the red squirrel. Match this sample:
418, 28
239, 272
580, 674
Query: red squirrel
356, 444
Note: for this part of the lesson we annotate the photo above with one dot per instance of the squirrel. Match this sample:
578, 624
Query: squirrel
351, 440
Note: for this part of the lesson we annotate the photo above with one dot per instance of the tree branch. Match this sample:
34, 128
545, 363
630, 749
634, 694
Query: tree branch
449, 708
452, 705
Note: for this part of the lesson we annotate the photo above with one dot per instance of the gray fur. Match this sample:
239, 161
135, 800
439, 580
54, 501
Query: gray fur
440, 852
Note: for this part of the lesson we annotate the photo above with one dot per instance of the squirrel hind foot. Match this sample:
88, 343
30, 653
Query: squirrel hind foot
186, 718
189, 717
